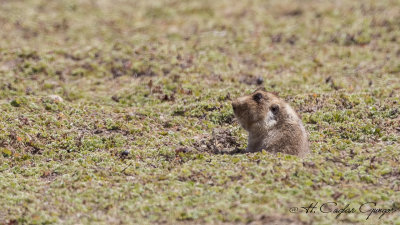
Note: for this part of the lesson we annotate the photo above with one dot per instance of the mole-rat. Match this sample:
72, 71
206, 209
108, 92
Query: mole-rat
272, 124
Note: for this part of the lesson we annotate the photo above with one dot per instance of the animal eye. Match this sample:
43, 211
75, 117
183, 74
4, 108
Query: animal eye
274, 108
257, 97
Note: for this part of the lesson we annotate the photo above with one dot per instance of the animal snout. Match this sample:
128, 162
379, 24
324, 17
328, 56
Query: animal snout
235, 105
239, 105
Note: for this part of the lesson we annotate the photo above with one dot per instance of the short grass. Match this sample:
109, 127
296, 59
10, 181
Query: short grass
146, 83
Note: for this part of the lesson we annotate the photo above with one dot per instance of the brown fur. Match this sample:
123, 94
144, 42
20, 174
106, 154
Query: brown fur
272, 124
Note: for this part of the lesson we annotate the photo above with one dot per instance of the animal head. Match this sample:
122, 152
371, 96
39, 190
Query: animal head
259, 110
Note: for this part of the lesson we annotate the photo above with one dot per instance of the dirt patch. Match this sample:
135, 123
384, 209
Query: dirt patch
278, 220
220, 142
272, 219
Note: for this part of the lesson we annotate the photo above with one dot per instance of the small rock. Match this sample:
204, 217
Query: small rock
181, 149
115, 98
309, 164
56, 98
336, 195
124, 153
260, 80
98, 131
328, 79
28, 91
276, 38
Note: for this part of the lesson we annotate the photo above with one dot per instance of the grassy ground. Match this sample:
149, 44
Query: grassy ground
147, 88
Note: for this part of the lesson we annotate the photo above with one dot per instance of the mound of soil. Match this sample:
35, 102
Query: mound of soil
220, 142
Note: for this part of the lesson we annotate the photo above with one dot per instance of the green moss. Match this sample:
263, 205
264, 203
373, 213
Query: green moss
146, 84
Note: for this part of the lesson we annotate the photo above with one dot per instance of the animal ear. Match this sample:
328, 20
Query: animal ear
257, 97
274, 108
